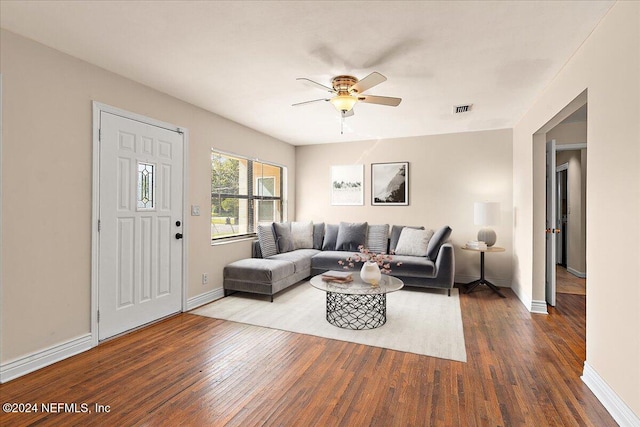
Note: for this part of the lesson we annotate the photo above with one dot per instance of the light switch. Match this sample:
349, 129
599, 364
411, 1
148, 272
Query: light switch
195, 210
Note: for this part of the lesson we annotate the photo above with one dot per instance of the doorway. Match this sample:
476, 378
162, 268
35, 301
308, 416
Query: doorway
562, 215
566, 206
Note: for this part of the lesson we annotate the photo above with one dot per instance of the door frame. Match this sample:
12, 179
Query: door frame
550, 223
98, 108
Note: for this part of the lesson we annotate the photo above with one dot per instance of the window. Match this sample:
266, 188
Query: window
244, 193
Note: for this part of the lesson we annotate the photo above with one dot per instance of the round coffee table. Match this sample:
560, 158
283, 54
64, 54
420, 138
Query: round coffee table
357, 305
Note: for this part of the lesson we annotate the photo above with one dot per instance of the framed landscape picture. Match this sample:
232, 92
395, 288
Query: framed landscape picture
347, 185
390, 184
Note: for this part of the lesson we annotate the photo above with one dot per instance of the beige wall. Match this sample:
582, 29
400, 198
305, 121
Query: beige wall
608, 66
569, 133
46, 188
447, 174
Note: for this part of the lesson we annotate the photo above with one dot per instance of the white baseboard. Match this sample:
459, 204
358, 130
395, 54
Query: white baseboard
534, 306
609, 399
42, 358
577, 273
205, 298
538, 307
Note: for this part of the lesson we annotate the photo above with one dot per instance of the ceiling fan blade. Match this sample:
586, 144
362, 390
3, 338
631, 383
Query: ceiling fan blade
308, 102
346, 114
382, 100
315, 84
368, 82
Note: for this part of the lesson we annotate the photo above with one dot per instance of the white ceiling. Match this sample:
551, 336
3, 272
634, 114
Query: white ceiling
240, 59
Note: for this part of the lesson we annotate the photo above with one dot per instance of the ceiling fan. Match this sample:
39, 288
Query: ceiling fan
348, 91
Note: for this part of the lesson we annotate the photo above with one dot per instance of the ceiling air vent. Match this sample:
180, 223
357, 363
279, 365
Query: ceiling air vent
457, 109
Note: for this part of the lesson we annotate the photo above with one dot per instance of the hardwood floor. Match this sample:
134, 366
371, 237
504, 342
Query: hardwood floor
567, 283
522, 370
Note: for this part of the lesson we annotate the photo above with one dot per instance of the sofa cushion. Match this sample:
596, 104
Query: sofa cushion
300, 258
413, 242
438, 239
412, 266
395, 235
267, 240
259, 270
330, 236
318, 235
377, 238
302, 233
328, 260
351, 235
284, 238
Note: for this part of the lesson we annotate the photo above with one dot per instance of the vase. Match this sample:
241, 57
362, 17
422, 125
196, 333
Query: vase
370, 273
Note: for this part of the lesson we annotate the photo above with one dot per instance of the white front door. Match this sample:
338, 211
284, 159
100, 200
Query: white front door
550, 232
140, 224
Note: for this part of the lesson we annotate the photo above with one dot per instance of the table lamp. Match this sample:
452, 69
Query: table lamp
486, 213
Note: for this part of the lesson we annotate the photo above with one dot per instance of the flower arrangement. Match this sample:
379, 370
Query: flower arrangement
383, 260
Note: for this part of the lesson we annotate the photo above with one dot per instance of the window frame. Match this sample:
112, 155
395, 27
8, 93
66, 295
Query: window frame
251, 197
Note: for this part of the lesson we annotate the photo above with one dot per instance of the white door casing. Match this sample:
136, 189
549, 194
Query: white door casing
140, 258
550, 224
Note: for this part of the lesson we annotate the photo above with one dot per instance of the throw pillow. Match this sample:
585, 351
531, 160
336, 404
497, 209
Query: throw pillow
284, 238
413, 242
330, 236
438, 239
318, 235
377, 238
267, 240
395, 235
302, 233
351, 235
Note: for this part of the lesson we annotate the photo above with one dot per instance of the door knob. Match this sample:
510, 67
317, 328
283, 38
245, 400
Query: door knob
178, 235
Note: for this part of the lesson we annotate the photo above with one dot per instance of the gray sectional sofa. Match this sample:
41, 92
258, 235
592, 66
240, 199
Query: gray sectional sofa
286, 253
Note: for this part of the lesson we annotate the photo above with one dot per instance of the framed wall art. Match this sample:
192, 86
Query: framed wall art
390, 184
347, 185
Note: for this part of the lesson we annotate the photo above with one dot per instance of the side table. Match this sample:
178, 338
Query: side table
482, 281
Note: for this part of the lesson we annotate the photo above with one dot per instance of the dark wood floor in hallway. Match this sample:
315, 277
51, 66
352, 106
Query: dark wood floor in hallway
523, 369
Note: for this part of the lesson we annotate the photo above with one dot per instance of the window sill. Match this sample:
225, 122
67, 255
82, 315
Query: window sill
222, 242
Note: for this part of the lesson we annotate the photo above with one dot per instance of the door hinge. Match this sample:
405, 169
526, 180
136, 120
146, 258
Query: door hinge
99, 135
99, 225
98, 316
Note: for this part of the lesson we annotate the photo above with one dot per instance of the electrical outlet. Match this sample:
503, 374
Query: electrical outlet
205, 278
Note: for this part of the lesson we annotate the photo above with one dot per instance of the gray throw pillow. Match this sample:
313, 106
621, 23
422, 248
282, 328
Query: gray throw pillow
438, 239
395, 235
330, 236
302, 233
413, 242
284, 238
377, 238
318, 235
351, 235
267, 240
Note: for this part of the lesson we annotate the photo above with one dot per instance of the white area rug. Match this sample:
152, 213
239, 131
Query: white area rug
421, 321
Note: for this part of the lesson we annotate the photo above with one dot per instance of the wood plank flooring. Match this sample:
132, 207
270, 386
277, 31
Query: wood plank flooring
522, 370
567, 283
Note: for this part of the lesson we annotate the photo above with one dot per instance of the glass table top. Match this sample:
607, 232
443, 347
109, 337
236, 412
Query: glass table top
358, 287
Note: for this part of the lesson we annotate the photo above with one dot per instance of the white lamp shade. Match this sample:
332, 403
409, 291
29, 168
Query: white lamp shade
486, 213
343, 102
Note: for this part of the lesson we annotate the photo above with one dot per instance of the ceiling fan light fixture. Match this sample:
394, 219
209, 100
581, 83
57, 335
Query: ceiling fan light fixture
344, 102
